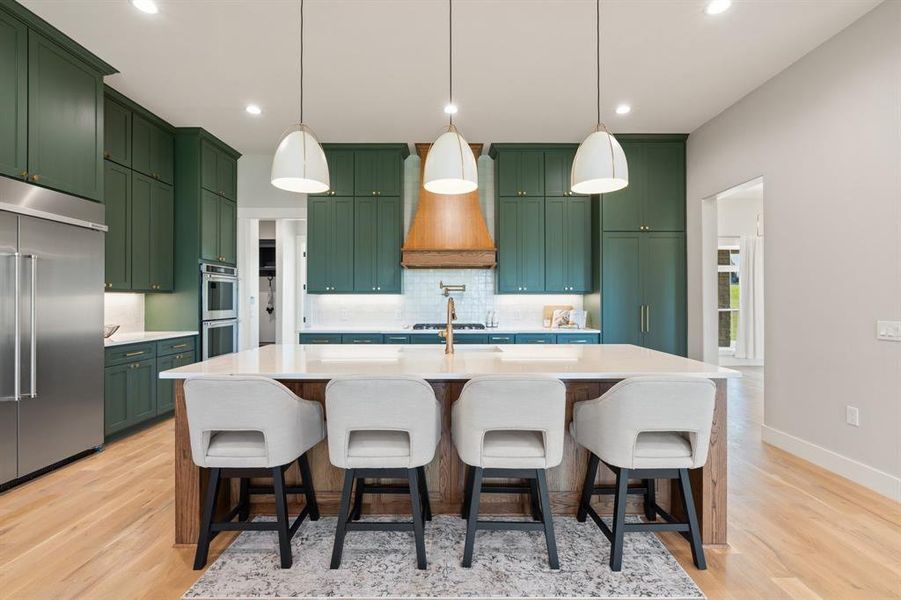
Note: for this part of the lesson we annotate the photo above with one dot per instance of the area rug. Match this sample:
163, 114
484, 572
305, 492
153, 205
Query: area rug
506, 564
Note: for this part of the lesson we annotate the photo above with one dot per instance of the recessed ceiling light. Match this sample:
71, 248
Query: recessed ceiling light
623, 109
146, 6
253, 109
716, 7
450, 109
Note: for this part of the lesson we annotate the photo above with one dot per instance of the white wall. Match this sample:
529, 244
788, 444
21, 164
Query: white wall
824, 134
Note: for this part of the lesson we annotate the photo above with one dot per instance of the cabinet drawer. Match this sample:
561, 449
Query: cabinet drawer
501, 338
426, 338
471, 338
182, 345
395, 339
123, 354
534, 338
320, 338
577, 338
361, 338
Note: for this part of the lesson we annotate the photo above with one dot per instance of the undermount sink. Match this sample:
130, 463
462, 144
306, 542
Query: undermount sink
459, 349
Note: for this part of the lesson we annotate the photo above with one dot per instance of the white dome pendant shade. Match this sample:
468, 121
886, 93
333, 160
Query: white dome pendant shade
299, 164
450, 166
600, 165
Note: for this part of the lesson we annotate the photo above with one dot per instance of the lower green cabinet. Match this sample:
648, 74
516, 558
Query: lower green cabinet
535, 338
165, 388
392, 338
361, 338
320, 338
129, 394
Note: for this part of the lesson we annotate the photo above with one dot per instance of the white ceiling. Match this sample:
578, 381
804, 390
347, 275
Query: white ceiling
376, 70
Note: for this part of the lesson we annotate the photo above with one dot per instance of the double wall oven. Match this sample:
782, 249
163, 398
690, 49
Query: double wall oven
218, 309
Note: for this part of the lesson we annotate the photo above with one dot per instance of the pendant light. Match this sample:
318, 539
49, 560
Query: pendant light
600, 164
299, 164
450, 167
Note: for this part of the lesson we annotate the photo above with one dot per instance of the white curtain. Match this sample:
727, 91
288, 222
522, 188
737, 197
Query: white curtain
749, 343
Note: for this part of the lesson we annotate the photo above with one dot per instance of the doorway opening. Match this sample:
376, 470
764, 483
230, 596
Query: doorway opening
739, 275
267, 283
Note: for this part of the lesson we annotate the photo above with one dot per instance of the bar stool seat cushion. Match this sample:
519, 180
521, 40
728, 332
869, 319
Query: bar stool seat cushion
514, 448
237, 444
654, 447
368, 444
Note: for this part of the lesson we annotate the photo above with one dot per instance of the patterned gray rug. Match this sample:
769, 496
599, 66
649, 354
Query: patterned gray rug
505, 565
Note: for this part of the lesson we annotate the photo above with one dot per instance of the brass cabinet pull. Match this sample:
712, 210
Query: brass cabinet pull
647, 318
179, 346
641, 318
138, 353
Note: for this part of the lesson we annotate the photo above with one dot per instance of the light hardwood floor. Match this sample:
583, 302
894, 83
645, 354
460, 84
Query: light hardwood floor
103, 526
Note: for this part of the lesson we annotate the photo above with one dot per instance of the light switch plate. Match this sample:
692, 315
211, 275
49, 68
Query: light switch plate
852, 416
889, 331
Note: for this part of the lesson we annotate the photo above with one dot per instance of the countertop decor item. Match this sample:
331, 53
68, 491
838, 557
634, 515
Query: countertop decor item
109, 330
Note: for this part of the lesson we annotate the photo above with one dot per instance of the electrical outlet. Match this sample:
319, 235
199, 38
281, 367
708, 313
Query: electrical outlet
852, 415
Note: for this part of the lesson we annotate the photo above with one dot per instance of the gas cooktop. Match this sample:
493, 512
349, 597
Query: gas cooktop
457, 326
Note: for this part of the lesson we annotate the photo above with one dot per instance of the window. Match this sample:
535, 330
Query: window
728, 263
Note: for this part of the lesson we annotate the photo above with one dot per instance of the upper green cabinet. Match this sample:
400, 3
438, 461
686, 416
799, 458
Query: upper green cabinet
117, 121
219, 171
520, 241
558, 164
355, 230
520, 172
151, 234
117, 198
13, 96
152, 150
567, 225
218, 223
654, 200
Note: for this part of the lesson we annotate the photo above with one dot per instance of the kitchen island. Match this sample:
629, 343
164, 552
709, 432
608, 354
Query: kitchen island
588, 371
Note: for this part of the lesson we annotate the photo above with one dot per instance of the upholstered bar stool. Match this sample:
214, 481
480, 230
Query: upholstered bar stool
646, 428
386, 428
510, 427
243, 427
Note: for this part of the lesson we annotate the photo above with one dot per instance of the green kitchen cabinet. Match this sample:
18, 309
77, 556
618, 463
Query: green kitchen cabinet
129, 394
65, 120
218, 228
568, 244
320, 338
535, 338
117, 126
366, 234
330, 245
361, 338
165, 388
558, 163
115, 398
141, 239
341, 173
152, 150
13, 96
577, 338
520, 173
521, 239
377, 172
152, 227
218, 171
377, 244
117, 198
395, 338
643, 290
654, 200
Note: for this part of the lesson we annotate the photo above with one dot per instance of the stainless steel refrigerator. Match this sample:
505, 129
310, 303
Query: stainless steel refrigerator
51, 327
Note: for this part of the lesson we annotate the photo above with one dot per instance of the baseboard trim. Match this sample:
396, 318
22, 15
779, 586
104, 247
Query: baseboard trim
874, 479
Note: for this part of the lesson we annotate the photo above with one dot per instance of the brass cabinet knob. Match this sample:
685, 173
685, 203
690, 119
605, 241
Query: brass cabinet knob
35, 177
24, 174
106, 155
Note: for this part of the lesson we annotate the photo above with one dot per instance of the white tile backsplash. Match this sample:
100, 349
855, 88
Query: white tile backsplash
422, 300
124, 310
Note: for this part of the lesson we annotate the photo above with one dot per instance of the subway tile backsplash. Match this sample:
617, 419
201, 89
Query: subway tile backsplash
422, 299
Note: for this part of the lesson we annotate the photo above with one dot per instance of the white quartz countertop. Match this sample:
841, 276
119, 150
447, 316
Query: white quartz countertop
137, 337
410, 330
565, 361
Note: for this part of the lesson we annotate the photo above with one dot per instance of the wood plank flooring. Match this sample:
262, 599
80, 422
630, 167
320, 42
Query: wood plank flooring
103, 526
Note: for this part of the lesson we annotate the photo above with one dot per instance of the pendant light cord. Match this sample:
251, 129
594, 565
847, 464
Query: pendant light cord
301, 61
598, 55
450, 58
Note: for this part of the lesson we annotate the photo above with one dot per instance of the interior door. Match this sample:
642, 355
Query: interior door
62, 342
9, 410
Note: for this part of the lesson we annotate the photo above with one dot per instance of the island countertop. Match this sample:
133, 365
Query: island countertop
321, 362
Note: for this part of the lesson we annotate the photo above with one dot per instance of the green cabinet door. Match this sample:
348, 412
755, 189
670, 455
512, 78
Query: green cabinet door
164, 155
555, 244
117, 198
531, 244
152, 150
227, 176
558, 171
366, 179
341, 172
319, 237
621, 294
165, 388
209, 225
664, 188
13, 97
342, 231
507, 244
622, 210
662, 259
65, 127
507, 173
388, 249
116, 133
209, 169
141, 237
141, 390
520, 173
389, 170
115, 398
365, 243
578, 244
228, 234
162, 228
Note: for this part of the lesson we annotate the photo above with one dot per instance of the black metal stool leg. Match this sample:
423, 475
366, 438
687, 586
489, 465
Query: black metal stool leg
467, 493
343, 517
650, 500
424, 494
418, 525
619, 519
534, 500
306, 477
472, 516
209, 506
281, 512
244, 499
358, 499
591, 474
694, 532
548, 520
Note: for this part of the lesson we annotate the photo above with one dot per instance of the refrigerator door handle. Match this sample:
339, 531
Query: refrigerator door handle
33, 371
17, 333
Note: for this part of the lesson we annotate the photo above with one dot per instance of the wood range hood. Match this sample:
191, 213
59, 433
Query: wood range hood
448, 232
